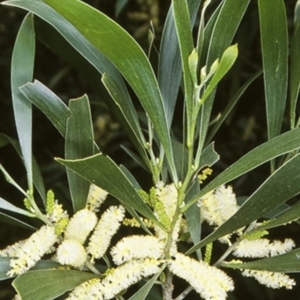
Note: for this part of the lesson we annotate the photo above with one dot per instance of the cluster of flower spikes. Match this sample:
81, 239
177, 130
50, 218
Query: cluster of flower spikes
216, 208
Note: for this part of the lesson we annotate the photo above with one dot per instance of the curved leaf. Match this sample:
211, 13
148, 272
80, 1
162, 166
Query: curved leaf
295, 66
127, 56
282, 185
99, 61
274, 44
49, 284
22, 72
285, 263
227, 60
185, 38
79, 144
169, 65
289, 215
8, 206
220, 38
103, 172
46, 101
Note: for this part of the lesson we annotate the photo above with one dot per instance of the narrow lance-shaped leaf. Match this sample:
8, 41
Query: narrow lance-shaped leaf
289, 215
274, 44
50, 104
10, 207
128, 57
103, 172
277, 189
95, 57
285, 263
185, 38
169, 65
22, 72
280, 145
295, 66
220, 38
49, 284
227, 60
79, 144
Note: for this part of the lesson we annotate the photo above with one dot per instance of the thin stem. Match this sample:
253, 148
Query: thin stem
168, 286
184, 293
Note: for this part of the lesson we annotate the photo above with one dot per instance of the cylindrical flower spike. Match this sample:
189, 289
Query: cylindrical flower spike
80, 225
137, 247
262, 248
126, 275
270, 279
210, 282
218, 206
95, 198
90, 290
107, 226
32, 250
71, 252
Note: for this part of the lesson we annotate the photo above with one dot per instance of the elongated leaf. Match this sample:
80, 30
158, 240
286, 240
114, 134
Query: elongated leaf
11, 220
122, 107
127, 56
227, 60
37, 176
103, 172
280, 145
45, 100
185, 38
79, 144
295, 66
8, 206
289, 215
209, 156
22, 72
73, 36
99, 61
274, 44
128, 112
48, 284
285, 263
273, 192
142, 293
169, 67
220, 38
42, 264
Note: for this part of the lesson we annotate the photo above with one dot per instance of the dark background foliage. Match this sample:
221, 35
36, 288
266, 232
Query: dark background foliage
244, 129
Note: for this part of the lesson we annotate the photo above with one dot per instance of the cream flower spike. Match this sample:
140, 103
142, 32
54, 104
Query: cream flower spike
218, 206
32, 250
80, 225
262, 248
270, 279
71, 252
107, 226
210, 282
95, 198
137, 247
